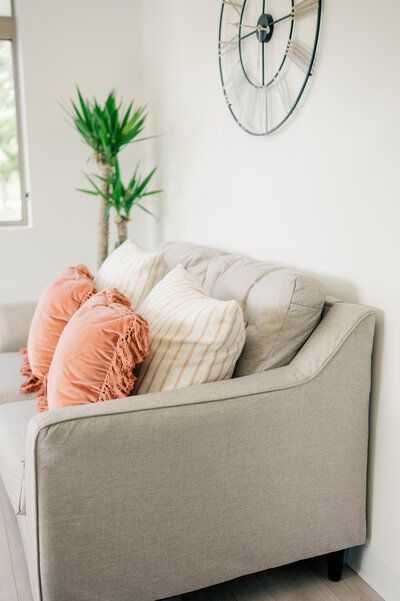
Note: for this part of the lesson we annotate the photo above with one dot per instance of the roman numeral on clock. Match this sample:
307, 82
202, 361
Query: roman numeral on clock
266, 109
265, 67
235, 81
283, 91
235, 5
300, 54
305, 7
226, 46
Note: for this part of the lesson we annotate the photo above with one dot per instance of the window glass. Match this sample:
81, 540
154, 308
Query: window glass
10, 187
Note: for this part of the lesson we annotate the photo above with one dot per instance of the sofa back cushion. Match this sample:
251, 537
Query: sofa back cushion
281, 307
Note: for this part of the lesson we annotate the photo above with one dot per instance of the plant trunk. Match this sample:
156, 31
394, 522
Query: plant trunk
103, 224
122, 227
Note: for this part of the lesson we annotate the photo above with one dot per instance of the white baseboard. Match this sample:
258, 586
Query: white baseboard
379, 576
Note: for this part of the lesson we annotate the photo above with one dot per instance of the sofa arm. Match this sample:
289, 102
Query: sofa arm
340, 323
164, 493
15, 320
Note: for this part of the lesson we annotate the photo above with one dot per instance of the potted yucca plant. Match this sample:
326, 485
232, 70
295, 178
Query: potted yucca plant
106, 128
122, 199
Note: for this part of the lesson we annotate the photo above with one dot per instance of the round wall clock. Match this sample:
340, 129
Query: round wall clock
267, 52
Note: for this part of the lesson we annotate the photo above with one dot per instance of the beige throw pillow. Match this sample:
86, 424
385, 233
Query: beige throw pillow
193, 338
131, 271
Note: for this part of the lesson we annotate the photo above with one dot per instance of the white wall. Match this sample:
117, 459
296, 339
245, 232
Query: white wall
322, 195
93, 44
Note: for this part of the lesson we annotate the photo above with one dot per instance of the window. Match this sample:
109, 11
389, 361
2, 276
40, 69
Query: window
12, 196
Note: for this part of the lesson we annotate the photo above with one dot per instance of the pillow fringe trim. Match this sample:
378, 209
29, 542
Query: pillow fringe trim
38, 385
131, 349
31, 383
41, 398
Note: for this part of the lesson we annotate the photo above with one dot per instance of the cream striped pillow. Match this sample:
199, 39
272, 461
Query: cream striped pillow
193, 338
132, 271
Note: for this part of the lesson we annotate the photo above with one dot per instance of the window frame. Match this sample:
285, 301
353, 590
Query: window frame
8, 33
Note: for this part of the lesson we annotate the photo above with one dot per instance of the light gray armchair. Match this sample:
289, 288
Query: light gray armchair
159, 494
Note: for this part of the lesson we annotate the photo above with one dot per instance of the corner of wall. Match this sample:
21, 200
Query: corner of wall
382, 578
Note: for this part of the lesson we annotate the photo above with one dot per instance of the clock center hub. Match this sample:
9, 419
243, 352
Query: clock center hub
265, 28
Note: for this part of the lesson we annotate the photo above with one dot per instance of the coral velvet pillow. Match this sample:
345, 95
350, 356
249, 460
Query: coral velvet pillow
59, 301
97, 353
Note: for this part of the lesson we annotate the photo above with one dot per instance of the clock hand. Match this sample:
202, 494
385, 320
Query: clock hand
290, 15
300, 9
263, 52
256, 27
243, 37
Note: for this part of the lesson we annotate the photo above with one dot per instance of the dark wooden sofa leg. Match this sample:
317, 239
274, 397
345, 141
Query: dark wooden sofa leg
335, 565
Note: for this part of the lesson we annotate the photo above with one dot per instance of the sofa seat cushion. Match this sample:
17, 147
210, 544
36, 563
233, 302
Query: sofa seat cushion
11, 379
14, 420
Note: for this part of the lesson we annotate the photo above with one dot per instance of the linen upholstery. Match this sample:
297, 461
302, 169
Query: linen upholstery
193, 338
14, 576
131, 271
205, 483
11, 379
281, 307
193, 257
14, 419
15, 320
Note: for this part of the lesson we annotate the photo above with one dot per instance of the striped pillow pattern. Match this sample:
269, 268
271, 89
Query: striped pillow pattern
193, 338
131, 271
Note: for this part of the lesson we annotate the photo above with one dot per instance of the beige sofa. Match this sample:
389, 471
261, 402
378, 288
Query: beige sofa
156, 495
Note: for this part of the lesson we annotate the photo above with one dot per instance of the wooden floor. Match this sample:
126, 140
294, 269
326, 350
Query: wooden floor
304, 581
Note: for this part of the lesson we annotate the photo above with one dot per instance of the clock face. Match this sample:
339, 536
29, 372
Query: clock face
266, 54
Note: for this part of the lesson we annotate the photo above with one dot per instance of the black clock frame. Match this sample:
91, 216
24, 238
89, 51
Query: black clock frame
308, 74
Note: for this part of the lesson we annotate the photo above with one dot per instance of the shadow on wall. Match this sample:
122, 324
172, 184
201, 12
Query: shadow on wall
348, 292
355, 556
374, 410
338, 288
